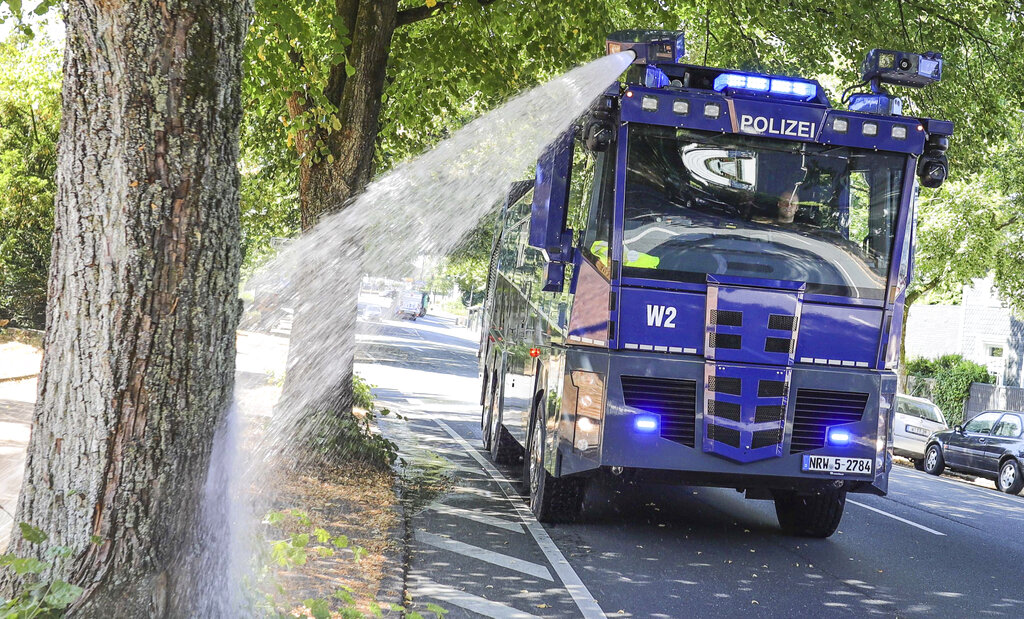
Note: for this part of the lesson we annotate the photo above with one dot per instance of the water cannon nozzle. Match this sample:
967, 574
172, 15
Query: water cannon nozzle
649, 46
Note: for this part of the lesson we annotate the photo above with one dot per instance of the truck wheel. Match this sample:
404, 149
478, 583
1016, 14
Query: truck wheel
1010, 479
552, 499
504, 449
810, 515
486, 417
934, 463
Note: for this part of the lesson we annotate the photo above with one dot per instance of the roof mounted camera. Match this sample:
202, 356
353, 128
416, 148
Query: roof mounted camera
901, 68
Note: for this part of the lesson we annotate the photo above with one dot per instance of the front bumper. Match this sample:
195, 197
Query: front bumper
682, 450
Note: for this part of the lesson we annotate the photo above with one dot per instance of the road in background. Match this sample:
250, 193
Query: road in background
933, 546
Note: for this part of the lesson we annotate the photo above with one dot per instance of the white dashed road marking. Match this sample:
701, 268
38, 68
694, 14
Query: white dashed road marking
428, 588
580, 594
894, 517
482, 554
475, 516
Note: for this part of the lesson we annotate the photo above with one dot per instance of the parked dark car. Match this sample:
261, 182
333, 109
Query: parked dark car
990, 445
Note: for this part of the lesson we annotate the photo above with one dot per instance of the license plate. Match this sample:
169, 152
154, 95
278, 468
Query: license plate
834, 464
918, 431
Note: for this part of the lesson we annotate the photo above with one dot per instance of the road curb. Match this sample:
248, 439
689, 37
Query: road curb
394, 582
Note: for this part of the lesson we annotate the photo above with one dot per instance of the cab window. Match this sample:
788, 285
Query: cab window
982, 424
1009, 425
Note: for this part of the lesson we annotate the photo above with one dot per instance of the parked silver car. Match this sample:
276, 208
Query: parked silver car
913, 422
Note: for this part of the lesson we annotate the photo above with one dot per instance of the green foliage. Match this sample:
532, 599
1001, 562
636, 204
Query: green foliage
29, 122
35, 596
295, 48
298, 542
953, 377
345, 438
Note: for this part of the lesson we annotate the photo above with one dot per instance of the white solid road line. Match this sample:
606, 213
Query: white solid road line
488, 608
580, 594
469, 514
894, 517
482, 554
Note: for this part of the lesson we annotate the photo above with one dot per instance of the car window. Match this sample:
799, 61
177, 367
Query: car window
982, 424
1009, 425
919, 409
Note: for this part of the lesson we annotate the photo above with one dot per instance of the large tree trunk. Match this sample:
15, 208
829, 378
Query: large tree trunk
326, 183
143, 300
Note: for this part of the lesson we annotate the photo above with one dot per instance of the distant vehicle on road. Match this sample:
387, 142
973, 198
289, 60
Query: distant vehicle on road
914, 420
991, 446
410, 305
369, 312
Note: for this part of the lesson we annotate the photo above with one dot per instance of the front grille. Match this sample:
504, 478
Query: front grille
727, 318
674, 400
728, 410
725, 384
771, 388
781, 322
778, 344
725, 340
817, 409
771, 412
724, 435
764, 438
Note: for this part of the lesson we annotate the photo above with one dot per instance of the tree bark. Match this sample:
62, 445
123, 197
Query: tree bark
325, 184
143, 299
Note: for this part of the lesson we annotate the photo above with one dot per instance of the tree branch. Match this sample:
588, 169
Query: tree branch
419, 13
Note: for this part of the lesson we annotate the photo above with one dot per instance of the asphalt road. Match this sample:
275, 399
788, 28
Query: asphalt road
932, 547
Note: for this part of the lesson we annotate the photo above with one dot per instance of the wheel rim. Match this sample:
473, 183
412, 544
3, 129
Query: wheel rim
536, 464
1008, 475
933, 458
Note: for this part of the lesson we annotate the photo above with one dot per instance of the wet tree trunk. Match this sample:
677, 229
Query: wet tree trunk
139, 346
335, 165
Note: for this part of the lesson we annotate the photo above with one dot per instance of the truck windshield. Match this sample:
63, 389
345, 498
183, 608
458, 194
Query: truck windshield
700, 203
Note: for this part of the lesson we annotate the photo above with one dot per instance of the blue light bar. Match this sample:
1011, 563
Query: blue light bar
757, 83
838, 436
646, 423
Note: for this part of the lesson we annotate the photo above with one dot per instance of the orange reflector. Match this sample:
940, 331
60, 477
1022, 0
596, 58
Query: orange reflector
534, 352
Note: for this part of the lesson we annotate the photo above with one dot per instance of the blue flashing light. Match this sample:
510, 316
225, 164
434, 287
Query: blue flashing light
838, 436
646, 423
757, 83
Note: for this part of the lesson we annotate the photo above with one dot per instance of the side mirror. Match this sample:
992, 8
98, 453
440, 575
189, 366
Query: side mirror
958, 429
548, 231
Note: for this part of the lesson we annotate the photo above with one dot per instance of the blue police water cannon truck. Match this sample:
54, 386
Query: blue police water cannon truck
704, 284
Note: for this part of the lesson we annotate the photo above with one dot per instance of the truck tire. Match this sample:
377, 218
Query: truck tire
504, 449
552, 499
486, 422
810, 515
934, 463
1010, 479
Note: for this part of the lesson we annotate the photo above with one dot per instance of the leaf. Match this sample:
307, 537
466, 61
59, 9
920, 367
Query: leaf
321, 535
349, 70
318, 608
439, 611
62, 594
341, 541
28, 565
96, 539
31, 533
431, 3
301, 540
